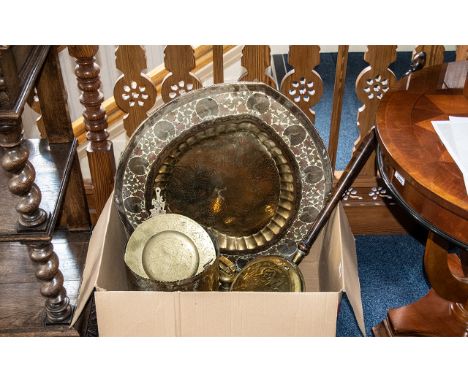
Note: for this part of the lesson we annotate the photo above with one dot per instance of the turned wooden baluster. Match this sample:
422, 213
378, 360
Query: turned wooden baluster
58, 308
218, 64
462, 53
16, 155
99, 150
303, 85
434, 54
371, 86
256, 59
179, 60
134, 93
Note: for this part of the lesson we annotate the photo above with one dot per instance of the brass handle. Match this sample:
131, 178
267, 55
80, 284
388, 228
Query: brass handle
227, 273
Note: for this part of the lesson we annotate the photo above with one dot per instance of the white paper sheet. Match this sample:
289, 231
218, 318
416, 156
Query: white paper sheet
454, 135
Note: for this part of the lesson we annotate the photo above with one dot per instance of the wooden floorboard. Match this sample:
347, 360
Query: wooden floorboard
21, 305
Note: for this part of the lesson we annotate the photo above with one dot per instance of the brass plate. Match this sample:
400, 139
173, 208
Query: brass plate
240, 159
170, 256
234, 175
269, 274
169, 248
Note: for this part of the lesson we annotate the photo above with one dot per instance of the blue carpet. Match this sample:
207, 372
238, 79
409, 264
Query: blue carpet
391, 275
390, 267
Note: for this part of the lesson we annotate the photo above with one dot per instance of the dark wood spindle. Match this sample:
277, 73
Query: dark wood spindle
218, 64
99, 150
58, 307
15, 159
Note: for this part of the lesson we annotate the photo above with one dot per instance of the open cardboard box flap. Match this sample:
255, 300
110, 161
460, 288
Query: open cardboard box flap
330, 269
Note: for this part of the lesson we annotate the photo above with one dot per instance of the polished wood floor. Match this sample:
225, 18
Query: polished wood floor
21, 305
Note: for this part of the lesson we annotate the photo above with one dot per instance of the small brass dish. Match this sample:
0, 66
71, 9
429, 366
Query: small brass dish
269, 274
169, 251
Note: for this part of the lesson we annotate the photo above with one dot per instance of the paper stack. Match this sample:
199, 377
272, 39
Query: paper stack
454, 135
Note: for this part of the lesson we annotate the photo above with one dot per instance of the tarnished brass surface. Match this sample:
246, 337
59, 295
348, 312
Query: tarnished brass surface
169, 248
269, 274
235, 176
170, 256
240, 159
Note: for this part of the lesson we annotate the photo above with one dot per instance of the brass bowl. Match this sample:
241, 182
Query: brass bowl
269, 274
172, 252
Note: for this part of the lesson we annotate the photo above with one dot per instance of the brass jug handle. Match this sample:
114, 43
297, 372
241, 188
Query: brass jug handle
227, 273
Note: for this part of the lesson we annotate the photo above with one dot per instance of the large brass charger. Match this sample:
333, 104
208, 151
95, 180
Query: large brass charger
240, 159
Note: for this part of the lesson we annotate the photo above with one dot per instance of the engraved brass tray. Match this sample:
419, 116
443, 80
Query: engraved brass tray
240, 159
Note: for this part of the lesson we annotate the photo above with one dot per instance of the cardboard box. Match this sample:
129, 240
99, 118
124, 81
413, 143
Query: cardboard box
329, 270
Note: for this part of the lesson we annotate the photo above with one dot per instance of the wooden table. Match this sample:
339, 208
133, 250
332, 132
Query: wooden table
423, 177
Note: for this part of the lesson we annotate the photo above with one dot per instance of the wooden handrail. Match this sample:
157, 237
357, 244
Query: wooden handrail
203, 56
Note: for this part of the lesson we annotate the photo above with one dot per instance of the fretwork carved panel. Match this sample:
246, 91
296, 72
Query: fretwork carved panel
303, 85
134, 93
179, 60
256, 59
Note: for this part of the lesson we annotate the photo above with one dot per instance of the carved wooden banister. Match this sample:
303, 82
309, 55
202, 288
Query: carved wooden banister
218, 64
134, 93
303, 85
179, 60
372, 84
256, 60
99, 149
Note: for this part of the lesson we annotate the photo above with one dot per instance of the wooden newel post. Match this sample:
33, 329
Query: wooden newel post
100, 151
57, 128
